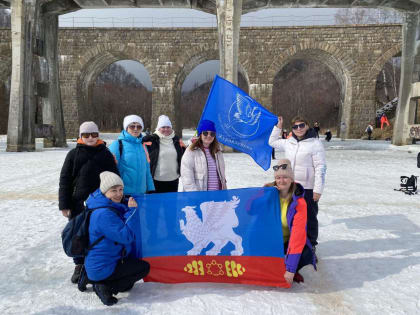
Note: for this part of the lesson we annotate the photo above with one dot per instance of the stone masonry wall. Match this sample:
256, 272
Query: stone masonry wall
354, 54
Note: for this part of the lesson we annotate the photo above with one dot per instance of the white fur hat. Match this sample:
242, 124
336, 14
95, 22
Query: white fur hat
132, 119
108, 180
163, 121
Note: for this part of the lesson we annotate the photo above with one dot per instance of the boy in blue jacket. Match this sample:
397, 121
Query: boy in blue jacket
107, 264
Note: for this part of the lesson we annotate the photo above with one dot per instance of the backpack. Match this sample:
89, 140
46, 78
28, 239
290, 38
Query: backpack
75, 235
408, 185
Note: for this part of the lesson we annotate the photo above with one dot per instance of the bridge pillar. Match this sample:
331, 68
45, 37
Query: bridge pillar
228, 26
52, 106
262, 93
22, 112
409, 75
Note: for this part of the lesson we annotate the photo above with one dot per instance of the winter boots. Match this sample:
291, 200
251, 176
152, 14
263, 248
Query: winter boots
76, 274
83, 280
104, 293
298, 277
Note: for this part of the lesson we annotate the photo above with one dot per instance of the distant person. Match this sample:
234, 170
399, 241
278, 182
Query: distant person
307, 154
293, 210
316, 129
328, 135
343, 129
369, 130
108, 265
79, 176
147, 132
284, 134
165, 152
203, 165
132, 158
384, 121
377, 121
273, 154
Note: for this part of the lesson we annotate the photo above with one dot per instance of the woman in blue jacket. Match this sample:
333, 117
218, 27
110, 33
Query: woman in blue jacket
107, 265
131, 158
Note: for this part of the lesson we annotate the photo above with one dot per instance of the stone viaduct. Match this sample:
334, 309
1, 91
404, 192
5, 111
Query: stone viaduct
35, 73
354, 54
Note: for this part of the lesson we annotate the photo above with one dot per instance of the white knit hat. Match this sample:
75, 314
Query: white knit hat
163, 122
287, 171
108, 180
132, 119
88, 127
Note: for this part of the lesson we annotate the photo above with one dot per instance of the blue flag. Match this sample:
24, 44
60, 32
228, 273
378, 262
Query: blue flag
241, 122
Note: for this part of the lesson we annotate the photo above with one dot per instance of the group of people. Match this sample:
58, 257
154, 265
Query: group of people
106, 180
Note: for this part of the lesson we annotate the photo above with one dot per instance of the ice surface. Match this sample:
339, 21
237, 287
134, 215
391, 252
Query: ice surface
369, 247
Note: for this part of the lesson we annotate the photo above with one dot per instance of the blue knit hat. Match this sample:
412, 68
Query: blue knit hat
206, 125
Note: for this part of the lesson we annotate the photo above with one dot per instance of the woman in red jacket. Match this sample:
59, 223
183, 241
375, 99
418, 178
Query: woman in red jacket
297, 247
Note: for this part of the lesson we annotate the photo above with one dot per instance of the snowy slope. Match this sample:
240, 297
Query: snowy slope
369, 243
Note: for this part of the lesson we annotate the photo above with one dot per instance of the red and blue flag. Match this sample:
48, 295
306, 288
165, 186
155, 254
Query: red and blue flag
232, 236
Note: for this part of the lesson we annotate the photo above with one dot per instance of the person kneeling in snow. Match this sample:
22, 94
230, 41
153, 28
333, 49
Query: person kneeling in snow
107, 265
297, 247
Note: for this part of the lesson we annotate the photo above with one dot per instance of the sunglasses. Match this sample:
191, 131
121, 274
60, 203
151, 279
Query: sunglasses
90, 134
281, 166
134, 127
209, 133
300, 126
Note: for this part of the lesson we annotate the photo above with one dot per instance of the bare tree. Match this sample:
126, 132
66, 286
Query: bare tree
307, 88
115, 94
367, 16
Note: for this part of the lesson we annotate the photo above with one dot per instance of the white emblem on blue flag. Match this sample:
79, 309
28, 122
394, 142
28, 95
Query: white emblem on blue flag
216, 226
244, 117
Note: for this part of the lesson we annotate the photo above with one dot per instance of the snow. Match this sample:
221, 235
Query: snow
369, 247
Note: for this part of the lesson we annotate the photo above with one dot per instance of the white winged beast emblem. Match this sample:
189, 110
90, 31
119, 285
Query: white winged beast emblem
219, 219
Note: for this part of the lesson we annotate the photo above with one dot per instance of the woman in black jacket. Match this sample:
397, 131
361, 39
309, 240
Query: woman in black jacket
165, 152
79, 175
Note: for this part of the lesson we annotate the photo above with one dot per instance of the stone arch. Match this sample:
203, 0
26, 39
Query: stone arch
186, 68
380, 62
96, 59
337, 61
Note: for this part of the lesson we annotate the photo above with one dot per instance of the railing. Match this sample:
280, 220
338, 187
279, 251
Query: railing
170, 22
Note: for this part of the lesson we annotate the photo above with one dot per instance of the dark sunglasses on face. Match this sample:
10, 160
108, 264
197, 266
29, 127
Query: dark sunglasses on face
134, 127
209, 133
281, 166
88, 134
300, 126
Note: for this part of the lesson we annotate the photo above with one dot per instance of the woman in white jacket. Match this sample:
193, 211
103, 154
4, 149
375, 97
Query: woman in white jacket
202, 165
307, 155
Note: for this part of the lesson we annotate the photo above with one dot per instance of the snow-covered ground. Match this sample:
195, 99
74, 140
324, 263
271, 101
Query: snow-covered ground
369, 247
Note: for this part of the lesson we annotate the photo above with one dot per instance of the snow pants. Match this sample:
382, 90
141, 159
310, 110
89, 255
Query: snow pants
312, 224
126, 273
164, 187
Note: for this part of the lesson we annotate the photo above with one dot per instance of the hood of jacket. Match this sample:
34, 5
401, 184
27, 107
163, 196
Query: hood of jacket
98, 200
124, 135
311, 133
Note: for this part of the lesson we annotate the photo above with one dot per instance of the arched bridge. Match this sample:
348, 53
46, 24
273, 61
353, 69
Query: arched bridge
354, 54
